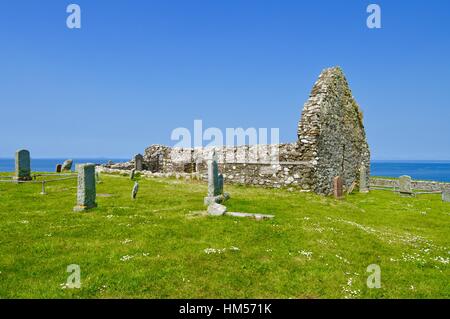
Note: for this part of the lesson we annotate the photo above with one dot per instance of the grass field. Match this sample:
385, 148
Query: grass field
160, 246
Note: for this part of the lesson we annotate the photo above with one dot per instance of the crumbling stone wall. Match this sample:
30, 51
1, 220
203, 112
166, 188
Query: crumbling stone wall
331, 133
331, 142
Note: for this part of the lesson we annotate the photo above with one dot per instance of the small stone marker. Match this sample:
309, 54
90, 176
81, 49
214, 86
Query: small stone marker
86, 191
135, 190
405, 185
58, 168
23, 166
67, 165
338, 190
133, 171
138, 159
216, 209
363, 187
446, 196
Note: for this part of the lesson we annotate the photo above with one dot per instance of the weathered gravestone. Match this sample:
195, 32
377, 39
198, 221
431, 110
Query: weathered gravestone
67, 165
23, 166
215, 183
135, 190
58, 168
138, 159
405, 185
132, 172
363, 187
446, 196
86, 191
338, 189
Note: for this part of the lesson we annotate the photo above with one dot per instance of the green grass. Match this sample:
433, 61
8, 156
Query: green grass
40, 236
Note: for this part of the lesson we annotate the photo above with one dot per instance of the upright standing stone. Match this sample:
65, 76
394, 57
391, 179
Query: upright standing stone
446, 195
58, 168
338, 189
138, 159
23, 166
86, 192
67, 165
363, 187
132, 172
405, 185
135, 190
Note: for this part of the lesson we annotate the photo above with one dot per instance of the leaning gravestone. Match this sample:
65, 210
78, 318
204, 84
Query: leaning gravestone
86, 191
58, 168
132, 172
446, 196
351, 188
405, 185
338, 189
363, 187
67, 165
138, 159
23, 166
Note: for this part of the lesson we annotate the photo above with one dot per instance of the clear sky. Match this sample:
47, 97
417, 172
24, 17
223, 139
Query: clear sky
136, 70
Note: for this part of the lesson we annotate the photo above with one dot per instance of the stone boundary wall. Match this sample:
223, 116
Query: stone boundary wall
262, 165
428, 186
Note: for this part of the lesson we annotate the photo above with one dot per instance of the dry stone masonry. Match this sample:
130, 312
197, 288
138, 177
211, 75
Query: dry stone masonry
331, 142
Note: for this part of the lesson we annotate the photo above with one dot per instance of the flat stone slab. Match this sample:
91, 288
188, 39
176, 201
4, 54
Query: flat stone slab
104, 195
248, 215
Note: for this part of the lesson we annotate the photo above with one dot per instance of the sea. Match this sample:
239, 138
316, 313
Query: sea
420, 170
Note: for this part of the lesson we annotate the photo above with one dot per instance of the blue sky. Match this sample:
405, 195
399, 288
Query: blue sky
136, 70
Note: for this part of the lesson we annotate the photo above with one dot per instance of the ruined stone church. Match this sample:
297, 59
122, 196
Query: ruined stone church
331, 142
